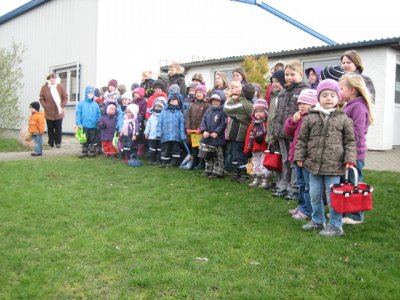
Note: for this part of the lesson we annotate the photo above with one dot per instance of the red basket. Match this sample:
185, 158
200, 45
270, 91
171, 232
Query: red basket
348, 198
272, 160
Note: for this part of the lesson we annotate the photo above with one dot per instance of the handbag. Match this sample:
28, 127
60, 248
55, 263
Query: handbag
28, 137
272, 160
115, 141
187, 162
347, 197
81, 135
134, 162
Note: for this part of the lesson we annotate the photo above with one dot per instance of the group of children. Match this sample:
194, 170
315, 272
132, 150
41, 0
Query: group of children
316, 137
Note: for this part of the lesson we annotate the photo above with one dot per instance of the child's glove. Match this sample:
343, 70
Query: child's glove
188, 131
198, 130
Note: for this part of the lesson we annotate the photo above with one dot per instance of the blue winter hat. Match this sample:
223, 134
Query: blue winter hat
219, 95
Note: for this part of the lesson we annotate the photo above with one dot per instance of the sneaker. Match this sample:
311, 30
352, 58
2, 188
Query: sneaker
350, 221
280, 193
331, 231
300, 216
205, 174
312, 225
294, 211
212, 176
290, 196
268, 186
83, 155
36, 154
58, 146
243, 178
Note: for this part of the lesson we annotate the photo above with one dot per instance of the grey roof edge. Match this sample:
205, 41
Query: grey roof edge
21, 10
393, 41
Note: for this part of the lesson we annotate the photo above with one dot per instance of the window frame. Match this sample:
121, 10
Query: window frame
70, 68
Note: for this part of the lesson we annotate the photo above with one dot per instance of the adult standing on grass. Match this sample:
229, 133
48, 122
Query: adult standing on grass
53, 98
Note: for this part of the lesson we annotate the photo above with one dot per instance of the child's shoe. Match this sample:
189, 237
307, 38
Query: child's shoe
280, 193
36, 154
331, 231
294, 211
206, 174
312, 225
300, 216
290, 196
256, 182
235, 175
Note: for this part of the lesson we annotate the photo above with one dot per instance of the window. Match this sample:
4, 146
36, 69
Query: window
69, 75
397, 86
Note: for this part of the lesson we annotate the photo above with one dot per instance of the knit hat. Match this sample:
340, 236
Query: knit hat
159, 84
134, 86
160, 101
35, 105
260, 104
280, 76
193, 85
328, 84
197, 76
109, 105
113, 83
218, 95
133, 108
139, 91
241, 72
127, 95
174, 88
248, 91
308, 96
202, 89
332, 72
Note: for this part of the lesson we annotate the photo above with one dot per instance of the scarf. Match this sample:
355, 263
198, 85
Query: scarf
55, 95
257, 133
127, 124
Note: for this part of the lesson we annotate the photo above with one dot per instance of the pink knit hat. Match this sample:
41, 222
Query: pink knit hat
308, 96
260, 104
328, 84
139, 91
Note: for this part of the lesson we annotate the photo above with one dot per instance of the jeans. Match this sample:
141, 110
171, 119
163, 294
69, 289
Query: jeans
228, 156
239, 156
317, 204
303, 185
357, 216
38, 139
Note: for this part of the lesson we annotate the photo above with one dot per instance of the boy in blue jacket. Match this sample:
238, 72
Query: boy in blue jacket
87, 115
171, 132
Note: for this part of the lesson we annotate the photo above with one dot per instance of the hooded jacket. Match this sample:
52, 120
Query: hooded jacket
36, 122
240, 114
214, 120
107, 125
325, 143
151, 124
170, 126
87, 111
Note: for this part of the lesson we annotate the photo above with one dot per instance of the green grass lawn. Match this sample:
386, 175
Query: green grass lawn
11, 145
98, 229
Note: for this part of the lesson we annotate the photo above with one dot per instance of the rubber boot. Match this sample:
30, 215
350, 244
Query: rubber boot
84, 151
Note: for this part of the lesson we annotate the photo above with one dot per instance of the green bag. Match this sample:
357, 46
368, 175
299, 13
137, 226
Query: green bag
81, 135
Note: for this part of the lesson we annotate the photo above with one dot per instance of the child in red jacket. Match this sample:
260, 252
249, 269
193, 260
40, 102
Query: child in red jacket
255, 143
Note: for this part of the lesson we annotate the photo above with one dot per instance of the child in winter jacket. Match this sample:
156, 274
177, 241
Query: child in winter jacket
176, 76
255, 143
107, 126
86, 116
325, 147
287, 106
138, 98
129, 133
36, 127
213, 127
159, 91
150, 132
239, 110
307, 99
171, 131
112, 94
358, 108
193, 120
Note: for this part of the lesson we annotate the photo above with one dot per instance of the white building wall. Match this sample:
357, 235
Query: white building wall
56, 33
